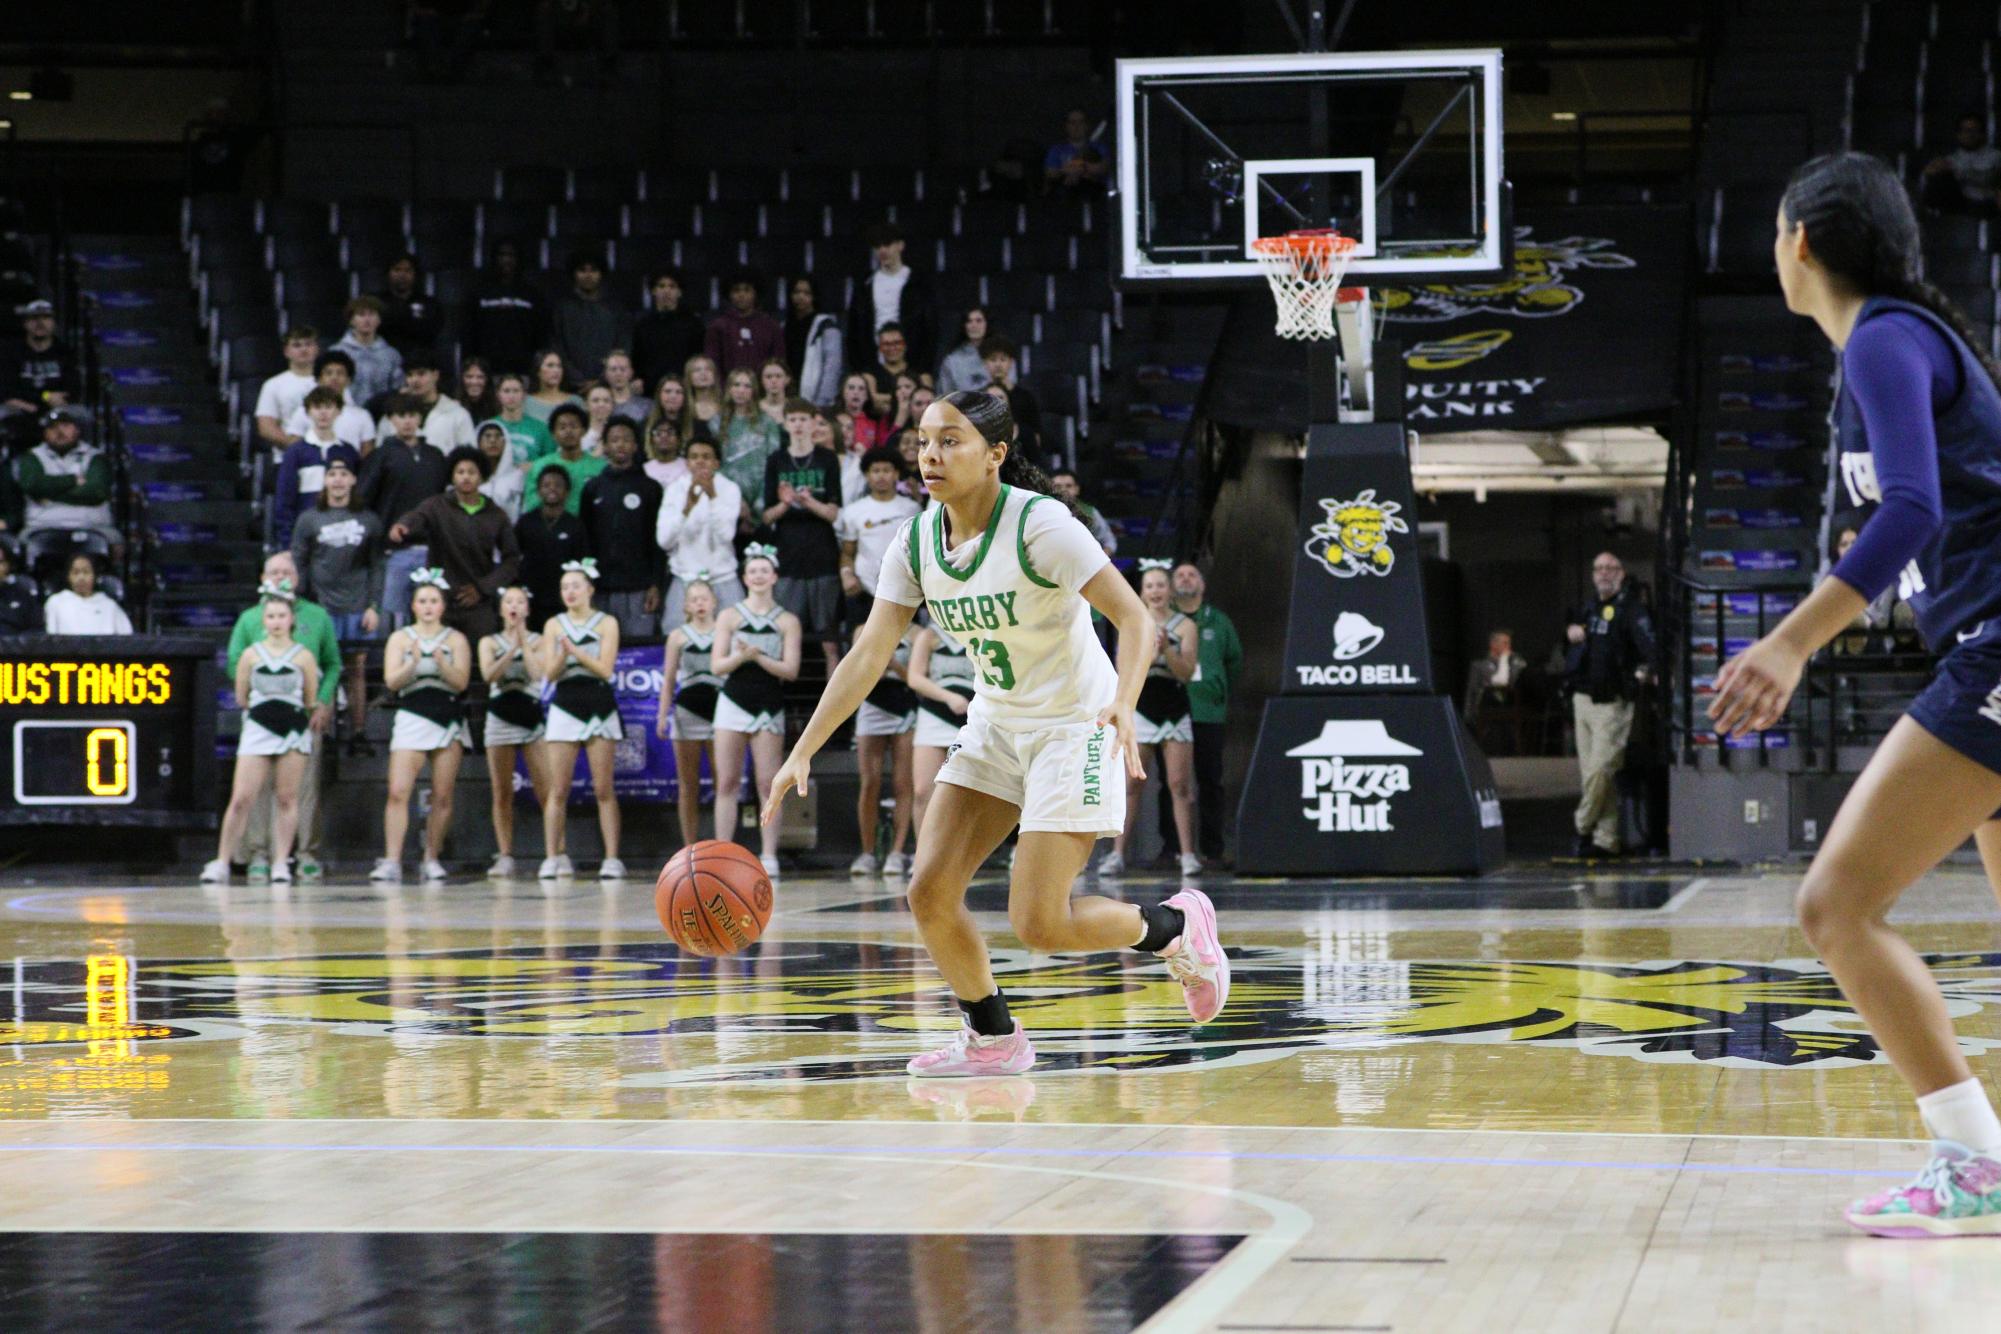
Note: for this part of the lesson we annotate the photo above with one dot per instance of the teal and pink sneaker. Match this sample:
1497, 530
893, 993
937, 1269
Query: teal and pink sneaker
1957, 1195
1196, 957
970, 1056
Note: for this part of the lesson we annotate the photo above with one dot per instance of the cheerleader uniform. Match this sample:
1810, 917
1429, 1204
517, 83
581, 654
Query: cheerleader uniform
891, 706
585, 707
695, 687
513, 701
430, 715
951, 668
1163, 713
753, 700
276, 721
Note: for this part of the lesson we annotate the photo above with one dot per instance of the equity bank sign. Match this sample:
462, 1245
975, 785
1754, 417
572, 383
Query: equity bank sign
1349, 777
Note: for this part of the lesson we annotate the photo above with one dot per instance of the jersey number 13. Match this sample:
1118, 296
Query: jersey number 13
990, 659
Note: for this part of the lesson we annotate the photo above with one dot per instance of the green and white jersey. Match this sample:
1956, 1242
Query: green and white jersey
1011, 597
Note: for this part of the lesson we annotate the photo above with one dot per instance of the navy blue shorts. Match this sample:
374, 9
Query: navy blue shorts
1962, 705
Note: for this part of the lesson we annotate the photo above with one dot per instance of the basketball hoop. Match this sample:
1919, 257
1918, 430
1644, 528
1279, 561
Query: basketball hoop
1305, 270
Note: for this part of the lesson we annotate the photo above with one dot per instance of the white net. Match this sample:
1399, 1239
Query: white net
1304, 269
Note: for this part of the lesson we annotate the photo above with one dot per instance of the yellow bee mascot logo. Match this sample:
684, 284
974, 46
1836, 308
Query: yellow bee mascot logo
1355, 536
1541, 285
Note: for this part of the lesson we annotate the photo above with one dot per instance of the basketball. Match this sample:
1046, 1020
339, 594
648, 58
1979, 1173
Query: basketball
713, 897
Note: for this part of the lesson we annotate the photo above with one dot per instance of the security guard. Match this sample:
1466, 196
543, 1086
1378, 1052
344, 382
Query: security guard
1611, 650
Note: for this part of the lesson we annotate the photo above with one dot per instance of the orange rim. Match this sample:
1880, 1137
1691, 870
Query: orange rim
1320, 241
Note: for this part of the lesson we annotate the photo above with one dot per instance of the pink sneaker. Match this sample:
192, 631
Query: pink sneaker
1196, 957
1957, 1195
969, 1056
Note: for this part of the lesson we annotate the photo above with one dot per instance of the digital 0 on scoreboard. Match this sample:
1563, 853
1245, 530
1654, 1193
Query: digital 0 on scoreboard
108, 730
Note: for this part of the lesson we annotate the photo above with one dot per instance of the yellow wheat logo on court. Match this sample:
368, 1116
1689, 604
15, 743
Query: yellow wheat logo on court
1354, 538
816, 1011
1540, 286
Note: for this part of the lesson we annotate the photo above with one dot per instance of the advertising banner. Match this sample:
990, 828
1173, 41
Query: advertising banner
1587, 328
645, 764
1367, 785
1357, 617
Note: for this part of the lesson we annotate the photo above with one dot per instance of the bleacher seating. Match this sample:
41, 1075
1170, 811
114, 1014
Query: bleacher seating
259, 266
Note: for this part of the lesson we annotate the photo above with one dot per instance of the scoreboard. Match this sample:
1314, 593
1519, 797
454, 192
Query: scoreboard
108, 730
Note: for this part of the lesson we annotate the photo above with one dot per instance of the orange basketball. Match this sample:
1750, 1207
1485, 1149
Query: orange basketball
713, 897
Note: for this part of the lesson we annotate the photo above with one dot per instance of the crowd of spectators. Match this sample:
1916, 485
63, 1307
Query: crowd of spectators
660, 442
57, 483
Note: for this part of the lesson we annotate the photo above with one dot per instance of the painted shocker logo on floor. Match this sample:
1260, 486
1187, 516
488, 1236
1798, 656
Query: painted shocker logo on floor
816, 1011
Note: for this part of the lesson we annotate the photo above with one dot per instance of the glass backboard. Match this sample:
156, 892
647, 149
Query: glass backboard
1400, 149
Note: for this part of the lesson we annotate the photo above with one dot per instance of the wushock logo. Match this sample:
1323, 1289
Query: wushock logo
1354, 538
1541, 285
819, 1011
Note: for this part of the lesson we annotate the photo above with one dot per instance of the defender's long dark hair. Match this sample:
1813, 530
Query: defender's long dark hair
994, 420
1861, 228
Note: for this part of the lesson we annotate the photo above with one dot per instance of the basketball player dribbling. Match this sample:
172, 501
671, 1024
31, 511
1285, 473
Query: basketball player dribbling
1918, 425
1048, 741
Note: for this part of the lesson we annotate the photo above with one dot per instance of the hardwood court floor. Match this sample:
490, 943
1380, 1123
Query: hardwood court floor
1544, 1101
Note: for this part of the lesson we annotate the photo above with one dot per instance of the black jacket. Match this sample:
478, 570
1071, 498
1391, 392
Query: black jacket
506, 323
544, 548
20, 609
411, 324
396, 478
662, 342
620, 510
918, 317
28, 375
1618, 641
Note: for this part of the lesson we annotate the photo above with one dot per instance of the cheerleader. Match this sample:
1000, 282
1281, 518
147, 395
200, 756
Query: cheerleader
276, 680
884, 723
941, 676
580, 653
687, 663
426, 666
1163, 716
756, 653
510, 663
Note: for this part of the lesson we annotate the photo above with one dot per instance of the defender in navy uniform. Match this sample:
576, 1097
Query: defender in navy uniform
1919, 433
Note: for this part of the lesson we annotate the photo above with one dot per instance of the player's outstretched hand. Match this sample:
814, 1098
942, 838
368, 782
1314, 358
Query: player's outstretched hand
1120, 719
1754, 687
791, 774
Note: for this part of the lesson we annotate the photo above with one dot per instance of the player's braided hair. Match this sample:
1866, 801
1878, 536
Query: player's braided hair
994, 420
1861, 227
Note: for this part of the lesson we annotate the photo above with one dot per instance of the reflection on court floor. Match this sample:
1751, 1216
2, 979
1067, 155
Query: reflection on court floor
1418, 1090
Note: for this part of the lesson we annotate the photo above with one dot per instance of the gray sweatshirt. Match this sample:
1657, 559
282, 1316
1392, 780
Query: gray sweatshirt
339, 555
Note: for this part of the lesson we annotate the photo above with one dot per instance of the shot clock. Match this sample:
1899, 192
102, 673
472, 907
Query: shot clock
107, 730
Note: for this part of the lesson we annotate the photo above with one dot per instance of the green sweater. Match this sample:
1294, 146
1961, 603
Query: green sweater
581, 469
1220, 655
312, 627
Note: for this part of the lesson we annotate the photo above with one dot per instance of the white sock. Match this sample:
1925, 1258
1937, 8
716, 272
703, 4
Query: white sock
1963, 1114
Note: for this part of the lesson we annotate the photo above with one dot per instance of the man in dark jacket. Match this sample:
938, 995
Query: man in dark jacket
620, 510
506, 319
471, 540
1494, 682
894, 293
411, 318
1611, 651
667, 334
20, 609
402, 473
587, 323
548, 536
38, 370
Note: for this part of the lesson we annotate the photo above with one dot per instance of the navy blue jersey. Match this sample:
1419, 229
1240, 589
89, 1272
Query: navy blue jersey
1944, 518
